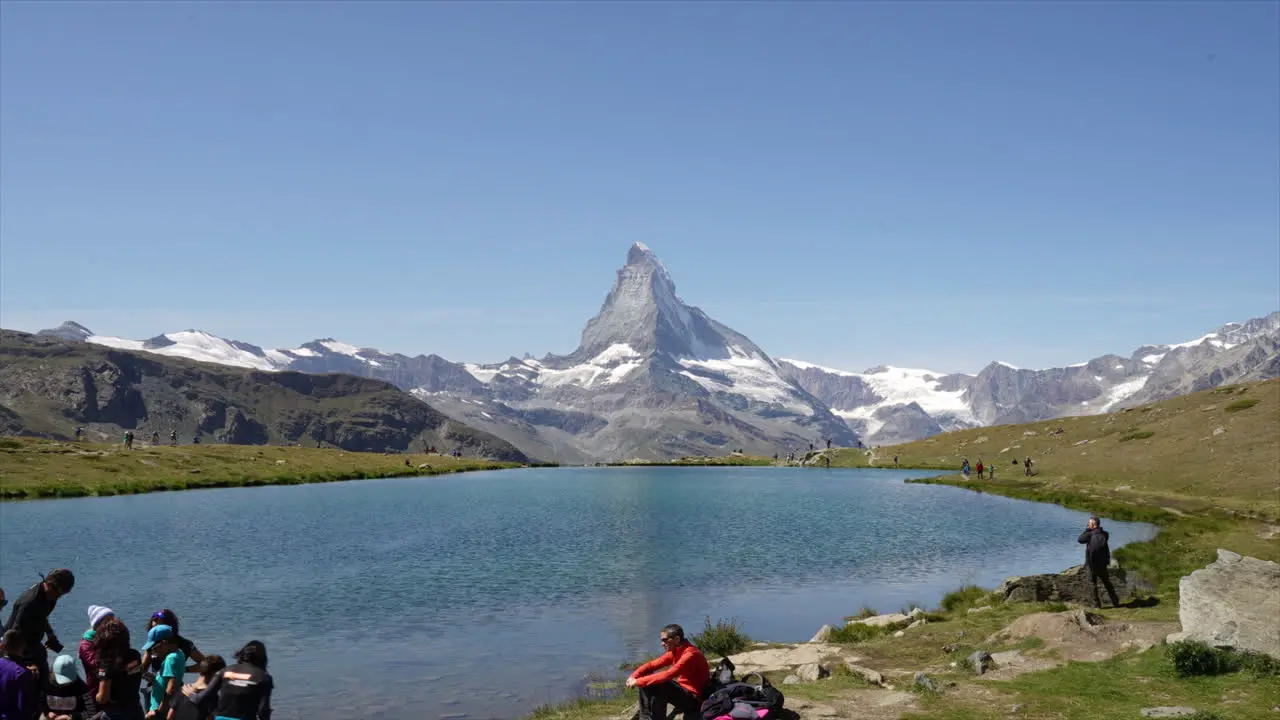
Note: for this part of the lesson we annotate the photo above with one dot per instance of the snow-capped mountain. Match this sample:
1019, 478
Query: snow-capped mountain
888, 405
652, 377
655, 378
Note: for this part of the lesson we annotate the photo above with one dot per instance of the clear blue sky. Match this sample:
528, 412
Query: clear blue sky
922, 184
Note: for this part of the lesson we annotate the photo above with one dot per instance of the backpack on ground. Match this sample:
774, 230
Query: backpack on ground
742, 700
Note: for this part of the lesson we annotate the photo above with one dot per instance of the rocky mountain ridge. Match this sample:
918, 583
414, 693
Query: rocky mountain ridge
655, 378
50, 385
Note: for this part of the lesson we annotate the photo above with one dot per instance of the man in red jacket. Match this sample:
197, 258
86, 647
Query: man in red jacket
677, 678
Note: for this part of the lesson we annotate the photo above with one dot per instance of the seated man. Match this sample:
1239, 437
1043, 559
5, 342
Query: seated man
681, 682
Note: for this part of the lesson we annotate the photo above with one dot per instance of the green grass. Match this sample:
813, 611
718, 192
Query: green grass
725, 637
1137, 435
1201, 453
965, 597
34, 468
1243, 404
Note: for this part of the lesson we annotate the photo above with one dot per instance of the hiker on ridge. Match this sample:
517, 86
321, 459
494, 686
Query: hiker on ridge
681, 683
1097, 556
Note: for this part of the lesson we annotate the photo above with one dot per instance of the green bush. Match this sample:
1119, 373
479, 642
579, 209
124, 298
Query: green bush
724, 638
856, 632
1242, 404
1137, 435
1192, 659
964, 597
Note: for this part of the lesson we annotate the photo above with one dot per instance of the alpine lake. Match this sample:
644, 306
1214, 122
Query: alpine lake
483, 595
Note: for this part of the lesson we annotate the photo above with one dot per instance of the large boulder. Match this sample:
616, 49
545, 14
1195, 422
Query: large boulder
1072, 585
1232, 602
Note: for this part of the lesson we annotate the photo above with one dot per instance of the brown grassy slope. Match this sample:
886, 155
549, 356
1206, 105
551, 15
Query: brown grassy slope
33, 468
1171, 450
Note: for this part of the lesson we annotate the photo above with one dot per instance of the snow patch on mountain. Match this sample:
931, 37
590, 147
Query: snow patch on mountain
902, 386
611, 365
746, 374
811, 366
1122, 391
194, 345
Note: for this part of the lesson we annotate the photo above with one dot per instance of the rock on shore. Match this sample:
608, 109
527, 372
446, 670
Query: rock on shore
1072, 585
1232, 602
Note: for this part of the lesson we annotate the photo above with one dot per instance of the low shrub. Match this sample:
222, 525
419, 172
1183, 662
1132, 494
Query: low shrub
1136, 435
963, 597
1193, 659
724, 638
1242, 404
856, 632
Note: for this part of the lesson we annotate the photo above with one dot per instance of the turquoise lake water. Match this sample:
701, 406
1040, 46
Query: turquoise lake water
481, 595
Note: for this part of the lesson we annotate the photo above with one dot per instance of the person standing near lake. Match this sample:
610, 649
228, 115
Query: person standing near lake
162, 643
1097, 556
680, 684
30, 617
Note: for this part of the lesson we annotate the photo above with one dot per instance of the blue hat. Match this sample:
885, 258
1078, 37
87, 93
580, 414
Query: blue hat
159, 633
64, 670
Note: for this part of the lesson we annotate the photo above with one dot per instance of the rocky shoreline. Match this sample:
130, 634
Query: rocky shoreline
1231, 603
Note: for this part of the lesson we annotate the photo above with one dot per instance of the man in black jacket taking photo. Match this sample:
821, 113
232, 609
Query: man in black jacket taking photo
1097, 556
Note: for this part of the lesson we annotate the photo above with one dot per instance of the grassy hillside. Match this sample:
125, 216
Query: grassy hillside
48, 387
1216, 448
35, 468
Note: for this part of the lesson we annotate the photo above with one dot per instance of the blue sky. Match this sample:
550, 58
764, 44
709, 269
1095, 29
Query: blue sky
922, 184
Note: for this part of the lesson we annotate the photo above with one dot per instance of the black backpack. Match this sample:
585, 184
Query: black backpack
742, 693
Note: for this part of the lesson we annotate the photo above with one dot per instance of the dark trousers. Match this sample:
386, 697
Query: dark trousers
1101, 573
655, 698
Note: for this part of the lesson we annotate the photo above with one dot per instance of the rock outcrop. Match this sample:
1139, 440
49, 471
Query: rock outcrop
1232, 602
1072, 585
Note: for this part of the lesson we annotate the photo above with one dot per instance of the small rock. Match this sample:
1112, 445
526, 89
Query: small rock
867, 674
424, 466
812, 672
280, 462
984, 608
949, 648
925, 682
791, 680
823, 634
899, 634
980, 661
1216, 431
195, 471
981, 439
1168, 712
918, 623
1123, 487
882, 620
1014, 710
1029, 433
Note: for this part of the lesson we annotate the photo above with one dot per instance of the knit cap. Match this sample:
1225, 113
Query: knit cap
97, 613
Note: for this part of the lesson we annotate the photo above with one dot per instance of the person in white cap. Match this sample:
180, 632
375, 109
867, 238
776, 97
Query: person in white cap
88, 651
67, 697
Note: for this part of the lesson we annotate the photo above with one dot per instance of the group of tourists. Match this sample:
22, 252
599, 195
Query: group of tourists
118, 681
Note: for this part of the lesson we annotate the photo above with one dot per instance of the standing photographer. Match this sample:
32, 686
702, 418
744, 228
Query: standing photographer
1097, 556
30, 617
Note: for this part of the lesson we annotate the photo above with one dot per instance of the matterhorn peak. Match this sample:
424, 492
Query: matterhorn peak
644, 313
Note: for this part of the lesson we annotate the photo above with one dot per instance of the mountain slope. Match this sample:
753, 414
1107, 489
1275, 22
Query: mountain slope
877, 403
49, 386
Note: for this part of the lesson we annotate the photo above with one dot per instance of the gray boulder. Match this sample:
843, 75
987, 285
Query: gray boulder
1167, 712
1072, 585
812, 672
1232, 602
980, 661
